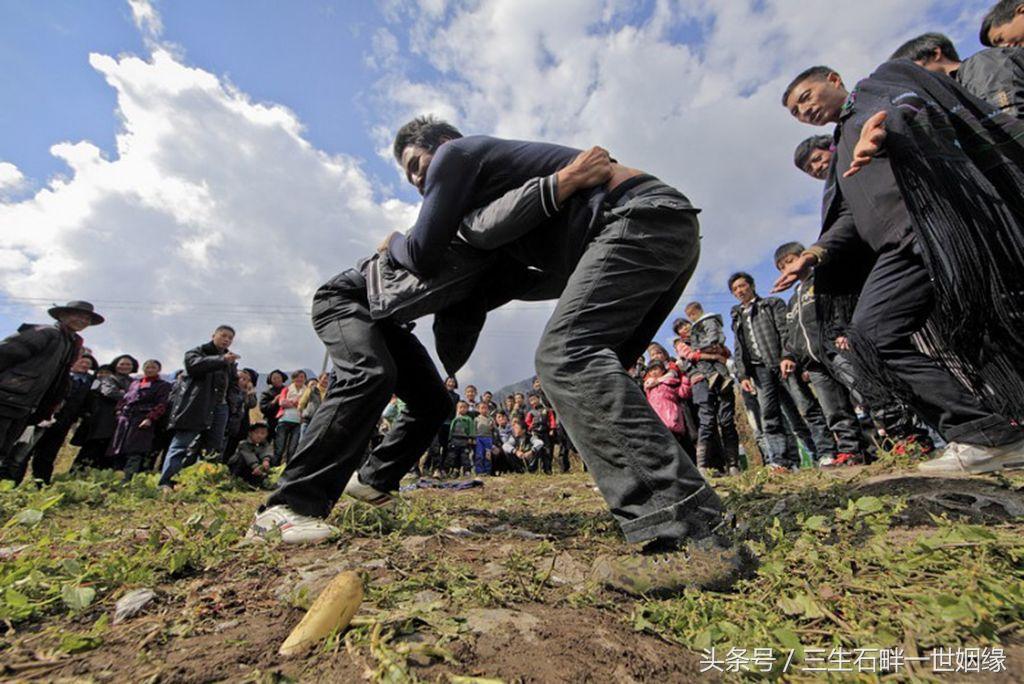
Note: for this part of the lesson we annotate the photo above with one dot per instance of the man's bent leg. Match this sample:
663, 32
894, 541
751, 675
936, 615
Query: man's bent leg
427, 403
894, 304
637, 260
364, 377
838, 413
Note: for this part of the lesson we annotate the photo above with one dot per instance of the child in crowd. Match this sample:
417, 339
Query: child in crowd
500, 461
707, 335
254, 456
486, 431
471, 401
289, 418
461, 433
526, 451
539, 420
664, 392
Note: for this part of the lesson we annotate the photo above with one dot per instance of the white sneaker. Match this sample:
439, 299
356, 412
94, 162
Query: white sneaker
365, 493
970, 458
826, 462
294, 528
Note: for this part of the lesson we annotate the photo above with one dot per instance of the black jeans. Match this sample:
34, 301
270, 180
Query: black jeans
895, 303
13, 462
44, 453
823, 444
624, 286
835, 404
717, 415
372, 360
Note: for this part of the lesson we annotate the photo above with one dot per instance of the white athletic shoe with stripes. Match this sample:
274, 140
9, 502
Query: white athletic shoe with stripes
365, 493
970, 458
294, 528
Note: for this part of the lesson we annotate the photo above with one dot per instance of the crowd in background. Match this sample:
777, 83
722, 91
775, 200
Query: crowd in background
128, 416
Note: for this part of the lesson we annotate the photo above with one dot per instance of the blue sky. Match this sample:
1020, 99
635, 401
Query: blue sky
230, 208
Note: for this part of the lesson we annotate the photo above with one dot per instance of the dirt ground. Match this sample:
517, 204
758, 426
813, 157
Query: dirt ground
491, 582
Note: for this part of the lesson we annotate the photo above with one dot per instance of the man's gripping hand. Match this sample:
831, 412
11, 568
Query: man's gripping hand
590, 168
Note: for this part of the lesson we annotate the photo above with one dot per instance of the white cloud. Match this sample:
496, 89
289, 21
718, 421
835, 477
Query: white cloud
11, 179
146, 18
214, 209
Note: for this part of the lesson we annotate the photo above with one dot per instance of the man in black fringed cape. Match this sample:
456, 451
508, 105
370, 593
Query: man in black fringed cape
928, 181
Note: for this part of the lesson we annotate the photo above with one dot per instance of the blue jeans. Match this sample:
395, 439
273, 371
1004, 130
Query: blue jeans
482, 461
212, 437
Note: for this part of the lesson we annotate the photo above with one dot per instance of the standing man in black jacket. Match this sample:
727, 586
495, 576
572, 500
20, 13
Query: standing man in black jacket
759, 327
948, 265
810, 347
44, 451
211, 375
34, 365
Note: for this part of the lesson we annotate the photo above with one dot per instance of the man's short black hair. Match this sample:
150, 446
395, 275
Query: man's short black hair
1001, 13
818, 73
224, 327
788, 248
740, 275
803, 151
427, 132
924, 46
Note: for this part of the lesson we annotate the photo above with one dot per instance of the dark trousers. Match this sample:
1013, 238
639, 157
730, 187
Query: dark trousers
895, 303
44, 454
835, 404
286, 440
717, 415
540, 459
822, 444
372, 360
134, 463
625, 284
11, 466
888, 415
773, 429
93, 454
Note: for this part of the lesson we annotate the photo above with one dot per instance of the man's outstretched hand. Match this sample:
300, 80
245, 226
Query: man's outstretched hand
797, 269
872, 138
590, 168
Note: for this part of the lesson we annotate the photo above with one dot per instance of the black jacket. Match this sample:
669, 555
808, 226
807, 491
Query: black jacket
208, 380
803, 342
769, 317
74, 404
996, 75
268, 405
102, 406
34, 365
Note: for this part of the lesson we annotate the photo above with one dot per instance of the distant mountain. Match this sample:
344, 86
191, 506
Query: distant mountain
524, 386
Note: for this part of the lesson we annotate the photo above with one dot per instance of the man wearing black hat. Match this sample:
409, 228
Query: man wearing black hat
34, 378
